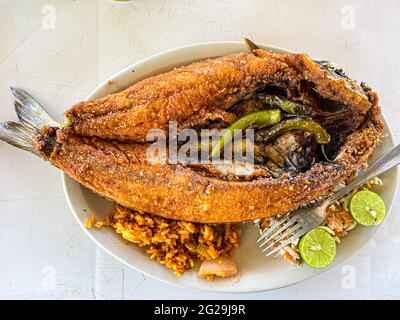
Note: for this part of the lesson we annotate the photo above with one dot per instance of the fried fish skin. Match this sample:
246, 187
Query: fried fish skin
193, 94
120, 172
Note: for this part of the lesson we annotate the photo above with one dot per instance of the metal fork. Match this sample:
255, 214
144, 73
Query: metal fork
296, 224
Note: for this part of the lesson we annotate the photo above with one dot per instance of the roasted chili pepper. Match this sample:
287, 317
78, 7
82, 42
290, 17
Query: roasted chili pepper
308, 125
250, 45
286, 105
258, 119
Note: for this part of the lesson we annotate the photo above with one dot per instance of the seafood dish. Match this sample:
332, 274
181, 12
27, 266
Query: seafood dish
312, 129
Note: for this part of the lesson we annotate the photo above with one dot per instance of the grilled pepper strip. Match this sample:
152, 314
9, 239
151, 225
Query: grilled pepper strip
286, 105
258, 119
311, 126
250, 45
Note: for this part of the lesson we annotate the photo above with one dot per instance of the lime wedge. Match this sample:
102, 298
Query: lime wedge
367, 208
317, 248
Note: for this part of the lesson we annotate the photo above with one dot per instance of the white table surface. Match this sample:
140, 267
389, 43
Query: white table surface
61, 49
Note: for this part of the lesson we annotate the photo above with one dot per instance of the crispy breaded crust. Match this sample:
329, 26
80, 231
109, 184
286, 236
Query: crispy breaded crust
121, 173
191, 95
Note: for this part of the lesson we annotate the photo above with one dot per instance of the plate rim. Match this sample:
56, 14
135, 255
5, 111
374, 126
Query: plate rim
222, 290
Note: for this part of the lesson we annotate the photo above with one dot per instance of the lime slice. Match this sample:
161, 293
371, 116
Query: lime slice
367, 208
317, 248
327, 229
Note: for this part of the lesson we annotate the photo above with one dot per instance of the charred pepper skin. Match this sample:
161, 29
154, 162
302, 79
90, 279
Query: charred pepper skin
286, 105
321, 136
251, 46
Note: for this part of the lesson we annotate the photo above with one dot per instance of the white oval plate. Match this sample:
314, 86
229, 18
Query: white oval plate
257, 272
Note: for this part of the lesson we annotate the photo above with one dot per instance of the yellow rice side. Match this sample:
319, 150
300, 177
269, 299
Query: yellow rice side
175, 244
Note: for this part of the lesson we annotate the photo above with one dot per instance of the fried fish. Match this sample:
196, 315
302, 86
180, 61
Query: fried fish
103, 143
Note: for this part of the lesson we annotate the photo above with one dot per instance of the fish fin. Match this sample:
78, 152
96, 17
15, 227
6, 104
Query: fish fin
30, 112
32, 116
18, 135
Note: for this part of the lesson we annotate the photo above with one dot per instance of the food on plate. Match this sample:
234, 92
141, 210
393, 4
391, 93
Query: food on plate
311, 128
177, 244
367, 208
103, 144
223, 267
317, 248
339, 221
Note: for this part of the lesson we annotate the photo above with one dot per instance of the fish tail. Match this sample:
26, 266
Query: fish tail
32, 119
18, 135
30, 112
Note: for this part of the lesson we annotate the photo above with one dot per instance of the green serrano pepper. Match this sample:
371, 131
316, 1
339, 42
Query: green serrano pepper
250, 45
258, 119
311, 126
286, 105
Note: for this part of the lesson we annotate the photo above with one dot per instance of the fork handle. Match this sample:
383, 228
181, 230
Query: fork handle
384, 163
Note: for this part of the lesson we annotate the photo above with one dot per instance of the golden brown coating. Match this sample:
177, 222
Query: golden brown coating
121, 173
193, 94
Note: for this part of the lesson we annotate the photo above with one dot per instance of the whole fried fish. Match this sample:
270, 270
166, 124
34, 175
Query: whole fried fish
103, 144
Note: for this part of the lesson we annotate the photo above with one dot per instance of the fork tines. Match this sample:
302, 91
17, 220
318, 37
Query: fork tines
280, 234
